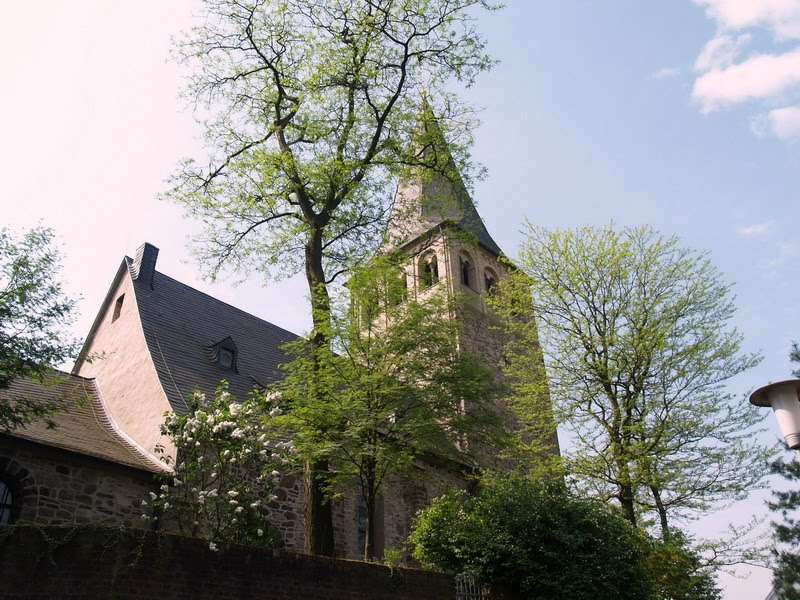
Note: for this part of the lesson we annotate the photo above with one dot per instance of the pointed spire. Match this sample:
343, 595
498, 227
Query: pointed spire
433, 192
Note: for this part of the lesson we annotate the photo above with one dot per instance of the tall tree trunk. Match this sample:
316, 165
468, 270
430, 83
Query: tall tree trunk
662, 513
369, 500
318, 516
625, 489
625, 498
318, 521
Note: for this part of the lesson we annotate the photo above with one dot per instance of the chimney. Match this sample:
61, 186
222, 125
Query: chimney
145, 264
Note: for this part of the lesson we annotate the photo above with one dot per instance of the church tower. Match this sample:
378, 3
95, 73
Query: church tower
435, 223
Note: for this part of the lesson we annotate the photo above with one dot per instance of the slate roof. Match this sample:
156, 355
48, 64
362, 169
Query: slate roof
455, 208
443, 198
182, 326
82, 427
472, 223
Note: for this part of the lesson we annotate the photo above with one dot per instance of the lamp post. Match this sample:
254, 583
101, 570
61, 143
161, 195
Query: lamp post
784, 398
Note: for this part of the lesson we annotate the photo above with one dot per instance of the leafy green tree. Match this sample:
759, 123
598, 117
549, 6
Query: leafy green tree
529, 539
34, 315
397, 388
786, 570
226, 469
312, 107
636, 341
535, 449
679, 572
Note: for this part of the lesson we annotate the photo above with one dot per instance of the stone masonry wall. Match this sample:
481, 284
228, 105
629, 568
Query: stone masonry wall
405, 496
88, 563
54, 487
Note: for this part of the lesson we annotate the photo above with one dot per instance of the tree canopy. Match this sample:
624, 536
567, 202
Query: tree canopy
635, 335
397, 388
530, 539
34, 316
786, 570
310, 111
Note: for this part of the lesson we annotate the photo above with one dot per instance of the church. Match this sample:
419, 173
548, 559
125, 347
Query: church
156, 340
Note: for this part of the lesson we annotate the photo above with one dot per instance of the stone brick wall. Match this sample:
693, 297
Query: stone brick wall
54, 487
70, 564
405, 496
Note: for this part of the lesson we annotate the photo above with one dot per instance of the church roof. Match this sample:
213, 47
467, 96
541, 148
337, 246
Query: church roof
434, 194
82, 426
185, 330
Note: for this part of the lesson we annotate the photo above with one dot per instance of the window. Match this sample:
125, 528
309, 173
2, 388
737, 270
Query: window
398, 290
118, 308
428, 271
6, 502
224, 353
467, 273
489, 279
226, 357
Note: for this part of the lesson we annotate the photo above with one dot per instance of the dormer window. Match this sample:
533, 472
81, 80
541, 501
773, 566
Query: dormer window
224, 353
226, 357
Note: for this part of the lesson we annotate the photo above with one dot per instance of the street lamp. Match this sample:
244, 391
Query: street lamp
784, 398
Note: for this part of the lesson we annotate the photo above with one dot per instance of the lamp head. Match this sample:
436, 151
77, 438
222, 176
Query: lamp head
784, 398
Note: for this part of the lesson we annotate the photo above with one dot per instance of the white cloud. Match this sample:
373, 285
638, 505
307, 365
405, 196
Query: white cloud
721, 51
785, 122
666, 73
756, 230
758, 78
786, 251
738, 65
782, 17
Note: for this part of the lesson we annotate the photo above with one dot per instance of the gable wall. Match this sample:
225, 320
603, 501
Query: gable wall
125, 373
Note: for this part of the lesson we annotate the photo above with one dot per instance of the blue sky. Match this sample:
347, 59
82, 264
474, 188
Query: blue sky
681, 114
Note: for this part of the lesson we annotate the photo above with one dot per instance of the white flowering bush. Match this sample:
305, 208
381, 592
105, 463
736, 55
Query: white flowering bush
225, 473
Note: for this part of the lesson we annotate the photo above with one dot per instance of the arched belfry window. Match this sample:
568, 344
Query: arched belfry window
224, 353
428, 270
398, 290
467, 268
6, 503
489, 279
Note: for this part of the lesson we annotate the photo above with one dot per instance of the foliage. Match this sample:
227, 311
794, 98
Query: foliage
635, 337
786, 570
533, 540
225, 472
34, 313
678, 572
312, 107
397, 388
535, 449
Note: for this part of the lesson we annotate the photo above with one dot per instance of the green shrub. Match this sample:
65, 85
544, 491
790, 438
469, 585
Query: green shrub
532, 540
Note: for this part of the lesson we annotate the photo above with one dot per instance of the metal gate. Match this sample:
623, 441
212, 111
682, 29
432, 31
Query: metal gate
469, 588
